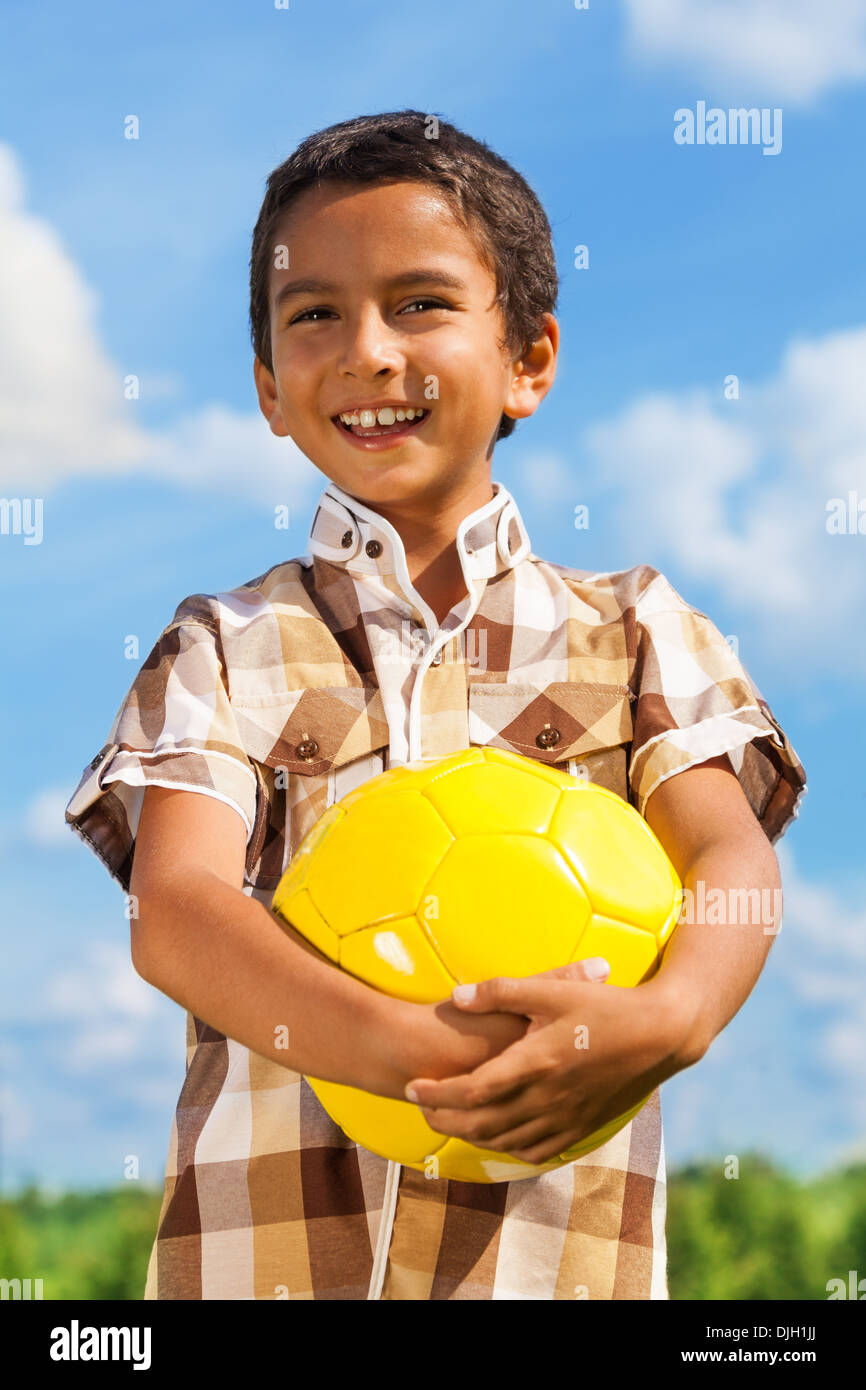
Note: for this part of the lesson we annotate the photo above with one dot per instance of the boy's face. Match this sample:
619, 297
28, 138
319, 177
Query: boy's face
382, 327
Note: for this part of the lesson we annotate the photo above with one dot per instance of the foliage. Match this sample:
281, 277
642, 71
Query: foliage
91, 1245
761, 1235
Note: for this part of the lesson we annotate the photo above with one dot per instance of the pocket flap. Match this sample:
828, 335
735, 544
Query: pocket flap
550, 723
310, 731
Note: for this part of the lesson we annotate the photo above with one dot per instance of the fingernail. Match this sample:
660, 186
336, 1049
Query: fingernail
411, 1094
464, 994
597, 968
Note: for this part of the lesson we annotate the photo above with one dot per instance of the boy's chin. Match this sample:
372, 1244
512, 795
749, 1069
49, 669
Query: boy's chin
379, 480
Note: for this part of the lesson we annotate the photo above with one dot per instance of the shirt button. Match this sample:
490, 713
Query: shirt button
548, 738
308, 749
373, 548
347, 540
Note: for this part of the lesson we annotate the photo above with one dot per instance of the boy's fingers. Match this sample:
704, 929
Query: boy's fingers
554, 1147
593, 970
528, 994
503, 1076
505, 1127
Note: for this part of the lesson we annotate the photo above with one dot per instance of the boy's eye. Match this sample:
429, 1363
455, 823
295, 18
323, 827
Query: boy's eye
305, 315
317, 309
436, 303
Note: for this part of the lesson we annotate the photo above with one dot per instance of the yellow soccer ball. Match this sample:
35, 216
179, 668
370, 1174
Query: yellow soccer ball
482, 863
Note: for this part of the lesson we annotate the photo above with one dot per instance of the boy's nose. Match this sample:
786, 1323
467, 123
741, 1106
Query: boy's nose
369, 345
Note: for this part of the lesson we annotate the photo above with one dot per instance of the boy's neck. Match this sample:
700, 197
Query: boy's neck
428, 532
440, 582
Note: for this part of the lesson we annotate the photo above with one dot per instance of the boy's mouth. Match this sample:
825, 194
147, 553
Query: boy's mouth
381, 422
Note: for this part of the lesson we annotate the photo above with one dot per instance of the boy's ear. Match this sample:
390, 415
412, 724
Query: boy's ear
266, 390
534, 372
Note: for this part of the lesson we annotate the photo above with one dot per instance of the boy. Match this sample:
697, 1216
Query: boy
402, 289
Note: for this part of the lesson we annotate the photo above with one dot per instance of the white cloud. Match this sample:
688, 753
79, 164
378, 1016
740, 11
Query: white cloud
111, 1015
103, 1045
736, 491
17, 1117
44, 818
216, 448
765, 50
62, 407
793, 1055
542, 474
825, 962
105, 985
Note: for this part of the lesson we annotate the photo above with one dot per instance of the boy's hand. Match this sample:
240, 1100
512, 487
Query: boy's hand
589, 1054
446, 1039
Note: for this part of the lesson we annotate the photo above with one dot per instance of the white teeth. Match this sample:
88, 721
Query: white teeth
386, 415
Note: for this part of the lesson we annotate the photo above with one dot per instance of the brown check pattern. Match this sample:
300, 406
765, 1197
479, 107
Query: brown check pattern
280, 696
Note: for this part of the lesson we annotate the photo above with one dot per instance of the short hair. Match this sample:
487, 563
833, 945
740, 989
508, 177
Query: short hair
488, 197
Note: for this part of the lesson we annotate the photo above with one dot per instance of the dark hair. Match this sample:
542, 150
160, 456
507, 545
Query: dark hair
487, 196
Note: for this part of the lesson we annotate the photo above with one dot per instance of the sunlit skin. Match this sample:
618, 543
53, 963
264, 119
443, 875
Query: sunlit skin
366, 337
541, 1094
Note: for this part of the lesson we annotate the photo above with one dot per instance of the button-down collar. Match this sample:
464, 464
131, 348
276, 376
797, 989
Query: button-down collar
347, 532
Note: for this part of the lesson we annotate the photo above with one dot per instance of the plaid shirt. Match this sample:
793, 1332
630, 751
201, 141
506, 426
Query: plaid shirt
283, 694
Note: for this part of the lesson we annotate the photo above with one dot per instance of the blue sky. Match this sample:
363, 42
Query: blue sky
705, 261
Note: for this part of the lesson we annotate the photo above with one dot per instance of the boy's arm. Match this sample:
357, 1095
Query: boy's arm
732, 908
224, 956
542, 1095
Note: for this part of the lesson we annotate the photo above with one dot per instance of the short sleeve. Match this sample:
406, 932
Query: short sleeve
175, 728
694, 701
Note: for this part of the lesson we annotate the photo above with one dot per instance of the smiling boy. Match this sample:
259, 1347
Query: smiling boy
402, 290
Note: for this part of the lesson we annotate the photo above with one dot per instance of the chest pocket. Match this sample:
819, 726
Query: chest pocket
569, 722
308, 748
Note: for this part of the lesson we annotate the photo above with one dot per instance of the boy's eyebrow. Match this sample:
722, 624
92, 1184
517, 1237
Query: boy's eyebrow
406, 277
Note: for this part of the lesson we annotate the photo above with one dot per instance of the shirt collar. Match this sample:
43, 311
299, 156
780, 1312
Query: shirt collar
348, 533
